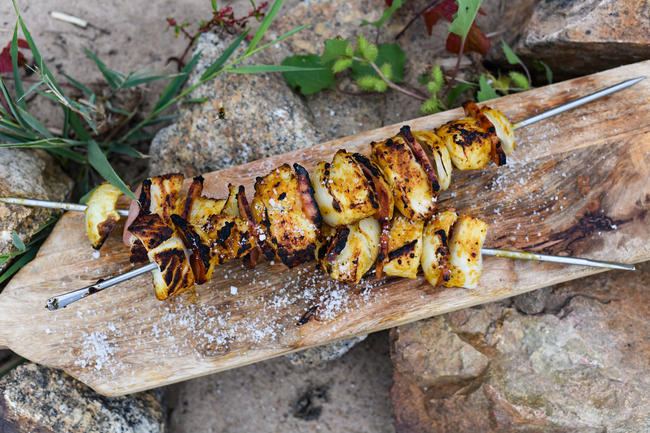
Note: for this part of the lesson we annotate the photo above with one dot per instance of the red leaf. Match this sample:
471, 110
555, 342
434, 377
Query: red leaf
476, 41
389, 3
5, 57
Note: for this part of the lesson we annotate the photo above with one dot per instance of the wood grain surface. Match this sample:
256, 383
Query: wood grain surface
578, 184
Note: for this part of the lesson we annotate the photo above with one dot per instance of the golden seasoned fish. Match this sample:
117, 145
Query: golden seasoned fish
165, 248
101, 214
468, 235
284, 207
349, 189
161, 195
409, 173
352, 251
404, 248
435, 257
469, 145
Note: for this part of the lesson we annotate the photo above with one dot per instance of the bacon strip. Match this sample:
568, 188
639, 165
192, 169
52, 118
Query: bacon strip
309, 206
383, 194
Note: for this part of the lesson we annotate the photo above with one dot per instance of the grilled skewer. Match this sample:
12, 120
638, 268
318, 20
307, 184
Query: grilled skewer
432, 146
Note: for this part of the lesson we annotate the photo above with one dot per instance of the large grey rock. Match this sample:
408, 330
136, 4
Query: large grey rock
579, 364
585, 36
27, 173
38, 399
246, 117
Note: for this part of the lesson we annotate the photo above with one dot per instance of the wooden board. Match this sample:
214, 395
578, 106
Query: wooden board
578, 184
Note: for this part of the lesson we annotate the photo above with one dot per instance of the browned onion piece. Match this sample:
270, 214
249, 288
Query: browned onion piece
337, 243
254, 230
309, 206
421, 157
383, 248
383, 194
200, 257
193, 193
134, 210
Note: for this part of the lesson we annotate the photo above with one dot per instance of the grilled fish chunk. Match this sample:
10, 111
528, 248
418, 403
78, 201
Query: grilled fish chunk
174, 274
165, 248
435, 257
101, 214
466, 262
284, 207
343, 192
414, 189
352, 251
161, 195
437, 151
404, 248
504, 129
199, 209
469, 145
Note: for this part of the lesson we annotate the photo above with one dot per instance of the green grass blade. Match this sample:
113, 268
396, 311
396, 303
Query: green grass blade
34, 123
125, 149
112, 77
275, 41
98, 161
45, 143
136, 81
66, 153
13, 51
266, 22
176, 84
18, 243
257, 69
10, 104
78, 85
15, 267
213, 69
77, 127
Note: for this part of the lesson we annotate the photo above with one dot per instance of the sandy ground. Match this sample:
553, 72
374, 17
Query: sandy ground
349, 394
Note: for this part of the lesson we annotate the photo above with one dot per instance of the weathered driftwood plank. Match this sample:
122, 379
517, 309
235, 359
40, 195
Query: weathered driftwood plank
578, 184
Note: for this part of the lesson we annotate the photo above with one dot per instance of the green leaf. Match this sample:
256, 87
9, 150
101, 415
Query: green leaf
334, 48
266, 22
387, 13
258, 69
512, 58
369, 82
176, 84
113, 78
486, 91
366, 49
519, 80
98, 161
388, 53
541, 66
273, 42
78, 85
77, 127
214, 5
13, 51
213, 69
457, 91
308, 81
464, 17
18, 243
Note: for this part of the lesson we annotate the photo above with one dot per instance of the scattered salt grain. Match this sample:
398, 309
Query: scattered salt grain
233, 290
96, 254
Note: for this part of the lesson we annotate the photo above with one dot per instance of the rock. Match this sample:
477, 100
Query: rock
246, 117
578, 364
317, 357
27, 173
38, 399
586, 36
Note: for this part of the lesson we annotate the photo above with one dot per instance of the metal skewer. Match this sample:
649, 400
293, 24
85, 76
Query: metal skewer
536, 118
578, 102
52, 204
61, 301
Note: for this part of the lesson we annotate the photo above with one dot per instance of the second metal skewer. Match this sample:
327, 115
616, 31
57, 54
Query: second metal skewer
61, 301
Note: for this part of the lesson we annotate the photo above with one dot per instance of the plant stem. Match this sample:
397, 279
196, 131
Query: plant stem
395, 86
456, 69
417, 15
